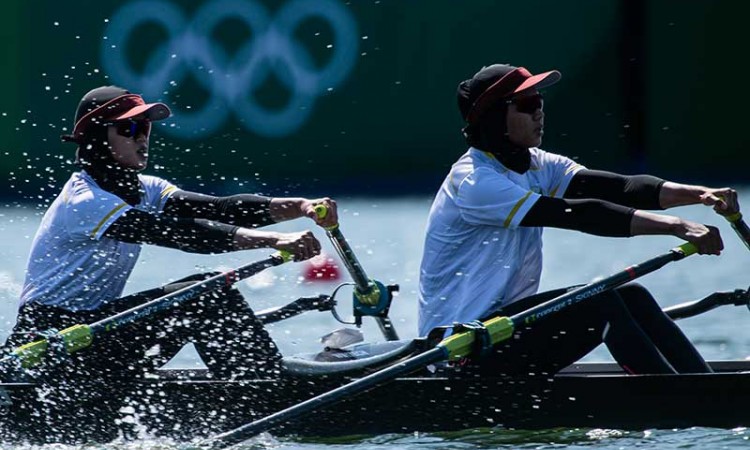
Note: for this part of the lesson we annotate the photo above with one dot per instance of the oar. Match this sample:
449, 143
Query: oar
367, 291
740, 227
456, 346
81, 336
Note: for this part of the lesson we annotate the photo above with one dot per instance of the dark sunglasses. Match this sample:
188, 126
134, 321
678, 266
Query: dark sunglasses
131, 128
528, 104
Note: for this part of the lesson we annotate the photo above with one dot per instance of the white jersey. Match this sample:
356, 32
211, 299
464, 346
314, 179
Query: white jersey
72, 265
476, 257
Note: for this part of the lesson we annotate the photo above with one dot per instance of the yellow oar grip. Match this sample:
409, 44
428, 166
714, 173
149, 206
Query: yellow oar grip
688, 248
461, 345
322, 212
284, 255
736, 217
74, 338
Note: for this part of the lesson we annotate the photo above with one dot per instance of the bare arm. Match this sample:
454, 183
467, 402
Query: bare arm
706, 238
289, 208
724, 200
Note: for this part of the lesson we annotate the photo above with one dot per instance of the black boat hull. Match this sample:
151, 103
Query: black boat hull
184, 405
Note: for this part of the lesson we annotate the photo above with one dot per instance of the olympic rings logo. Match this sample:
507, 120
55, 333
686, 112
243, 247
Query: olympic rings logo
232, 79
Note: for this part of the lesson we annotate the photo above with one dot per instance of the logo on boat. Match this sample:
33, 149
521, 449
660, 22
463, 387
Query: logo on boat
594, 290
231, 80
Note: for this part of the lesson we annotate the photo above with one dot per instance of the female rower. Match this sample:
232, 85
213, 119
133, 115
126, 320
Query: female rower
483, 248
90, 237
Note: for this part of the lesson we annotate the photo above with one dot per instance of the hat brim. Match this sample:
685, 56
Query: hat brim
150, 111
539, 81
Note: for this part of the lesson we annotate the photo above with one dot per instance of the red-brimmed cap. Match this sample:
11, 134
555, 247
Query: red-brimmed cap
111, 104
496, 82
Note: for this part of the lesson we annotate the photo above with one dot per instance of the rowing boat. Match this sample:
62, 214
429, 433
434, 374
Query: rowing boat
185, 404
431, 386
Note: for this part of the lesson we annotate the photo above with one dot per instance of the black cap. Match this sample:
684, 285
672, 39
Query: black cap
496, 82
110, 104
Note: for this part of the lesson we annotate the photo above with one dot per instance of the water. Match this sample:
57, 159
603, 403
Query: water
387, 236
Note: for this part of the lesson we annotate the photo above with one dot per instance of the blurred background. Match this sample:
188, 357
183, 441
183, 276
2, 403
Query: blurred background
314, 97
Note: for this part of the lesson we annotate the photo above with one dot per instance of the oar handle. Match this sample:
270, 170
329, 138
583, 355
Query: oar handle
740, 227
322, 211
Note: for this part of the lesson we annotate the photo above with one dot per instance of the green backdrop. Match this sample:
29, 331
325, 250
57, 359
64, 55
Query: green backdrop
385, 120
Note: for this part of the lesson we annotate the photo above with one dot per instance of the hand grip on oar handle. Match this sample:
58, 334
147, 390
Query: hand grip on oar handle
322, 211
284, 255
687, 249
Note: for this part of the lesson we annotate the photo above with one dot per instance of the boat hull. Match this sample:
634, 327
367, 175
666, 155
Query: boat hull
184, 405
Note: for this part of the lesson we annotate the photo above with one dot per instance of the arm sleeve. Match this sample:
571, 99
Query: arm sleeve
636, 191
589, 216
557, 171
190, 235
244, 210
485, 197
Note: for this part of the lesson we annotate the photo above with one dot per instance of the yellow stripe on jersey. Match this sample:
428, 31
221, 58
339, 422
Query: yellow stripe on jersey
106, 218
572, 168
567, 171
168, 190
515, 209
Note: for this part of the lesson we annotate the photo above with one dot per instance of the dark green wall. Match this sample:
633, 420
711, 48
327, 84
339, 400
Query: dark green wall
391, 124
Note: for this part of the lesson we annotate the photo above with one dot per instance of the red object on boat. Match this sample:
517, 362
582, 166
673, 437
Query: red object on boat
322, 268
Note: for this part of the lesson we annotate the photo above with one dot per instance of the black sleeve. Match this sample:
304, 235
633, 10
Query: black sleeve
636, 191
243, 210
190, 235
589, 216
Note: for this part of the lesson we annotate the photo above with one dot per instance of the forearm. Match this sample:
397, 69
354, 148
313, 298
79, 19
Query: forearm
247, 239
644, 223
244, 210
676, 194
286, 208
588, 216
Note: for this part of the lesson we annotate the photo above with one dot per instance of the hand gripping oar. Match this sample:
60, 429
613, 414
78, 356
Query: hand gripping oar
454, 347
371, 294
740, 227
81, 336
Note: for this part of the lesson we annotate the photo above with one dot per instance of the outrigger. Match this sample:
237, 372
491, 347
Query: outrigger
423, 393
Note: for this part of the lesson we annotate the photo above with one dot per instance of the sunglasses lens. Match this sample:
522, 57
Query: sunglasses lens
529, 105
134, 128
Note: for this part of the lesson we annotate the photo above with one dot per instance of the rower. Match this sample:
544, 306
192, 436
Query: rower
90, 237
483, 249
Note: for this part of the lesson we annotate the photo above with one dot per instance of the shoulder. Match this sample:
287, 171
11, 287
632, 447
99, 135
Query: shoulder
156, 185
81, 189
545, 160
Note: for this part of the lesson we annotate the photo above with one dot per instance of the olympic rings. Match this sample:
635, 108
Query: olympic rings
231, 80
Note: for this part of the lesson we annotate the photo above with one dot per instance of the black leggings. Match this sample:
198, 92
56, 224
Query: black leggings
640, 337
229, 338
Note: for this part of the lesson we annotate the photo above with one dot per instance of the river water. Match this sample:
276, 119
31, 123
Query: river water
387, 236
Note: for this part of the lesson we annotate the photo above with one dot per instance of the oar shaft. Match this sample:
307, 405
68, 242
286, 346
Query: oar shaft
461, 345
349, 258
615, 280
366, 291
247, 431
180, 296
81, 336
740, 227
